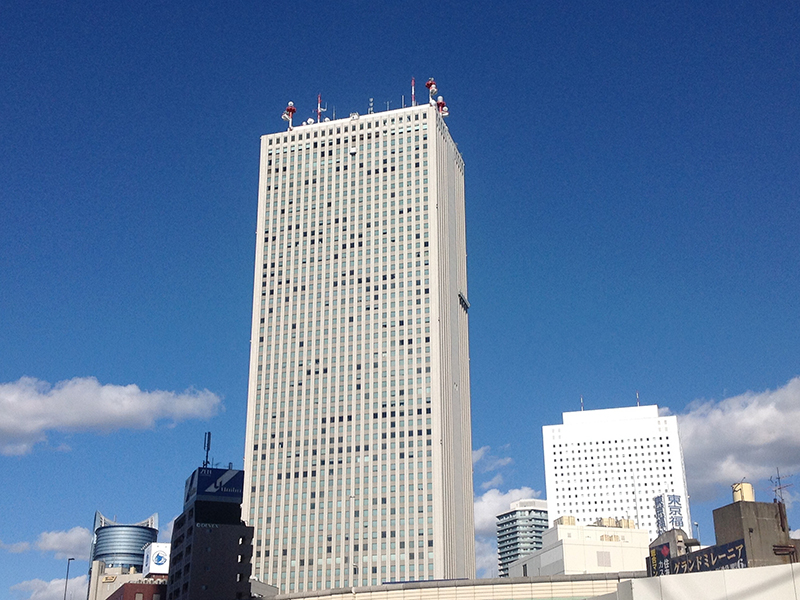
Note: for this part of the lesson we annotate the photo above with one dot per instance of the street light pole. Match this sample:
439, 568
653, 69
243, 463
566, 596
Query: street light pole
66, 581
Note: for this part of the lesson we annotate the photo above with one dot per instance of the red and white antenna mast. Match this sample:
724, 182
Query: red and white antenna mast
413, 93
288, 113
320, 110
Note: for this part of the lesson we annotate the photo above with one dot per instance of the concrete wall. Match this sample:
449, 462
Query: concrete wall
780, 582
560, 588
760, 524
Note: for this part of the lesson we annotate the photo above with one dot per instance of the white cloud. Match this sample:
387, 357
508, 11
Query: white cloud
746, 436
31, 408
36, 589
74, 543
15, 548
795, 534
486, 557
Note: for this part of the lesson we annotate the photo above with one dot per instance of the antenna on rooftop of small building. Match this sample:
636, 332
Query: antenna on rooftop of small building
779, 486
206, 446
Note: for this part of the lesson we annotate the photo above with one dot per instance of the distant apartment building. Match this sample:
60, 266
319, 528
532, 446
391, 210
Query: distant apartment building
519, 531
617, 463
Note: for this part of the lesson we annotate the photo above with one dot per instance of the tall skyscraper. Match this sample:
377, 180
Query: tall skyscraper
358, 446
617, 463
519, 531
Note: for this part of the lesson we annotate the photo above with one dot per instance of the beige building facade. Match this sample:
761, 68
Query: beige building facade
358, 444
576, 549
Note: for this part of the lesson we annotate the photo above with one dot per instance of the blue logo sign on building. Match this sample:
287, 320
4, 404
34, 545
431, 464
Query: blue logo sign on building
215, 485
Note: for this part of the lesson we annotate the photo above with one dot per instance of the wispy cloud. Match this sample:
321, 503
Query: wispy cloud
745, 436
31, 408
484, 461
494, 482
37, 589
15, 548
487, 507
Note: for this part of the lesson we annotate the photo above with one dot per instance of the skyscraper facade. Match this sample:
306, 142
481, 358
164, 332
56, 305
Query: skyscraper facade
617, 463
519, 531
358, 444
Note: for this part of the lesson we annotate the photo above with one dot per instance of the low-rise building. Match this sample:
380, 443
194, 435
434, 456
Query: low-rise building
568, 549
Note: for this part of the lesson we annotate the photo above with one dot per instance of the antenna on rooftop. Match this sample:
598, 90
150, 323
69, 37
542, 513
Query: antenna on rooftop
436, 101
581, 402
432, 89
320, 110
413, 93
371, 108
206, 446
778, 485
288, 113
637, 397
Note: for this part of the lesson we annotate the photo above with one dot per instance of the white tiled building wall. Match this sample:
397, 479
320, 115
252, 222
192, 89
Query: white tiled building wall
613, 463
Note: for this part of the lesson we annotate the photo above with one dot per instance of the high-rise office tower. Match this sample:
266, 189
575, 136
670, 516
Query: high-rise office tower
519, 531
358, 446
617, 463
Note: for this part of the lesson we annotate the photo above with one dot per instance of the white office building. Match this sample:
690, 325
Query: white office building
617, 463
519, 531
358, 448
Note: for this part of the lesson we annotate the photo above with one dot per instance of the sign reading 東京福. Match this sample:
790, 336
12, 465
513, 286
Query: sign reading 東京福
669, 512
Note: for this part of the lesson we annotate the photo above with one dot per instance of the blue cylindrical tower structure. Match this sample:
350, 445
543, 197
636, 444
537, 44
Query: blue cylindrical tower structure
120, 545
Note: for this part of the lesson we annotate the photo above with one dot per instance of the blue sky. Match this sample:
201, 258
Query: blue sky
633, 198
